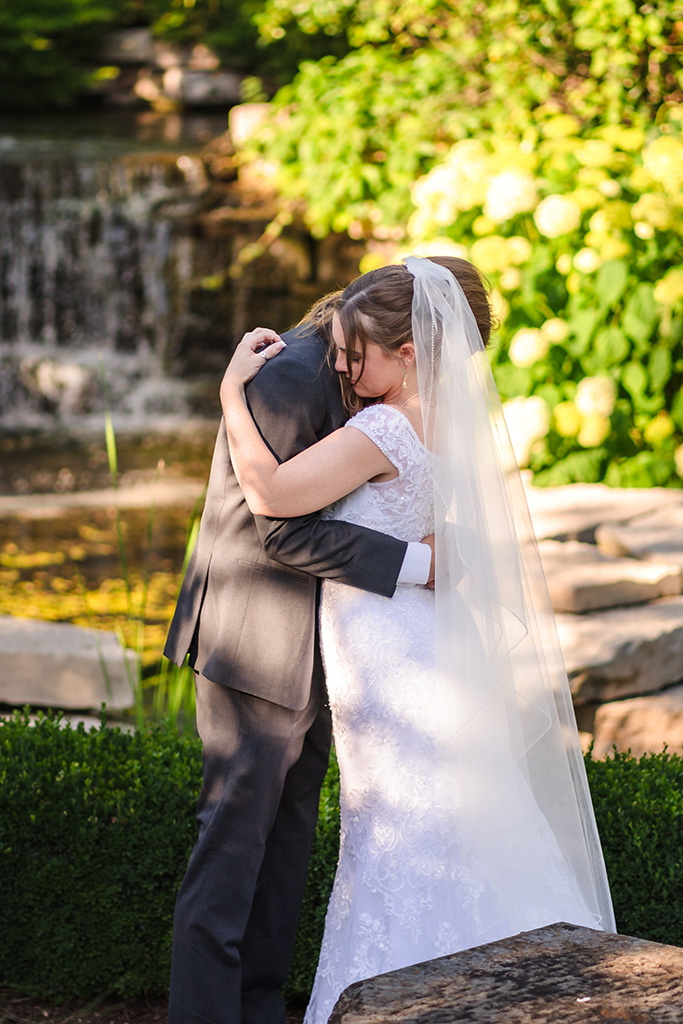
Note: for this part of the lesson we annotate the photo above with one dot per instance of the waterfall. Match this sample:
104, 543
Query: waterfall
101, 258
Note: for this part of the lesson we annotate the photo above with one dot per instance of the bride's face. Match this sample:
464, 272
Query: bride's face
380, 376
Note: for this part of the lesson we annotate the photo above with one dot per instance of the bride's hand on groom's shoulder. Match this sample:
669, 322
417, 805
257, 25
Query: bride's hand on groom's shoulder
253, 352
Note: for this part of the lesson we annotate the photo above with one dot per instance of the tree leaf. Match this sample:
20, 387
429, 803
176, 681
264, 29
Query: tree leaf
611, 282
640, 313
660, 368
635, 379
611, 346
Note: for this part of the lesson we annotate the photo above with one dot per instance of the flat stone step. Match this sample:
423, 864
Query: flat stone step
623, 652
574, 511
581, 578
144, 494
657, 536
55, 664
643, 725
560, 974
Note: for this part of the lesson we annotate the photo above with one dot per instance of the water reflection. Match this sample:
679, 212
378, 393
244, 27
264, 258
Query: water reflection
70, 566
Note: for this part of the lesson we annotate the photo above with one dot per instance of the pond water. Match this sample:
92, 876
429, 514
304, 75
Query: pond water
97, 566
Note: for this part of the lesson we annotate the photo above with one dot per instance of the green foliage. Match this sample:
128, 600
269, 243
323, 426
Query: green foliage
45, 47
49, 48
608, 58
555, 128
229, 28
639, 809
354, 140
95, 831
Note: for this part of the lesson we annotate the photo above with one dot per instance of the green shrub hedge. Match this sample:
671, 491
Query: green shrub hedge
95, 831
96, 828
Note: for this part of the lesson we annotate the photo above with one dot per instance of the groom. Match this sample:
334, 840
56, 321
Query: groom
247, 614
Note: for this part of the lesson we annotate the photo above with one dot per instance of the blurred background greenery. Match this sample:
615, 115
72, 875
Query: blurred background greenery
540, 139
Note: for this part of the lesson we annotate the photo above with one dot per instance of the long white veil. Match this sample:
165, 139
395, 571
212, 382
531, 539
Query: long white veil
524, 817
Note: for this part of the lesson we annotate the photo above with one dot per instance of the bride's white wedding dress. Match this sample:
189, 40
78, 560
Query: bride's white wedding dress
404, 890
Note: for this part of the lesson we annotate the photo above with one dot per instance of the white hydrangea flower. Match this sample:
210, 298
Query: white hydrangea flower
490, 254
643, 230
469, 161
459, 183
669, 290
555, 330
596, 396
594, 430
528, 346
587, 261
594, 153
663, 161
655, 209
557, 215
563, 264
510, 279
519, 249
610, 188
528, 421
434, 195
510, 193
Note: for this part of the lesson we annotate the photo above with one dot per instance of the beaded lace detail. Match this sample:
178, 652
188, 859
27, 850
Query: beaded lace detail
402, 507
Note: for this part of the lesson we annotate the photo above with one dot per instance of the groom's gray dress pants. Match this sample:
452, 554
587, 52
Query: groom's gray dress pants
238, 905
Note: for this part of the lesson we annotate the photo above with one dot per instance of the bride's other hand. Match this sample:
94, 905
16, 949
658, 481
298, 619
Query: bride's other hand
253, 352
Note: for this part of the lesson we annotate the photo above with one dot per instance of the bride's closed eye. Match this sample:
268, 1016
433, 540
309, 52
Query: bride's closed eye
354, 357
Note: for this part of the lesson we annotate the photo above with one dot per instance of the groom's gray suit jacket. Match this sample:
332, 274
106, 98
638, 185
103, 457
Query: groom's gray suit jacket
248, 604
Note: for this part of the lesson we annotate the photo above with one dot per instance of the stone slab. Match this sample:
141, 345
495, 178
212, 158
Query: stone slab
623, 652
581, 578
657, 535
55, 664
560, 974
574, 511
157, 493
643, 725
127, 46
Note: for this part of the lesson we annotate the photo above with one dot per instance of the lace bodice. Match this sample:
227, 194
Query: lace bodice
402, 507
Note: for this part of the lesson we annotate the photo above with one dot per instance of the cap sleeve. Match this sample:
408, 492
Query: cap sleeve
390, 430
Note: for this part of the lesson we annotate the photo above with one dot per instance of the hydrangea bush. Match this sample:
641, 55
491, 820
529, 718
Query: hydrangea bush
581, 237
543, 141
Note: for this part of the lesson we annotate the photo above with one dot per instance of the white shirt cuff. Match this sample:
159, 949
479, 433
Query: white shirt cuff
416, 565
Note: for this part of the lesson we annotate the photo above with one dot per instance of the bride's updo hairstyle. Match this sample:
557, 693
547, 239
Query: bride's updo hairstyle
376, 308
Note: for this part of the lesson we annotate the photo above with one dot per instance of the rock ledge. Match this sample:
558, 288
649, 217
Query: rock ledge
560, 973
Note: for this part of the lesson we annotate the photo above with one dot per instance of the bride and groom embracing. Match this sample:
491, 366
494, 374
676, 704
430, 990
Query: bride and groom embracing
465, 812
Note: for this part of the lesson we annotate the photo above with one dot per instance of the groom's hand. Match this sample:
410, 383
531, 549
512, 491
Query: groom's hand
430, 541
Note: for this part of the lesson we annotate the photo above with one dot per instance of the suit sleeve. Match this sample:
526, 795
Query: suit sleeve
289, 407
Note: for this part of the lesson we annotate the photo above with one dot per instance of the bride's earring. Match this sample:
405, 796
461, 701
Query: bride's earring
404, 382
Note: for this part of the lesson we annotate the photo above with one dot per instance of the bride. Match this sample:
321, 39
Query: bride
465, 811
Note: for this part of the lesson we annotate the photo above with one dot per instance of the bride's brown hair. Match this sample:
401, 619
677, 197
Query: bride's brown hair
376, 308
